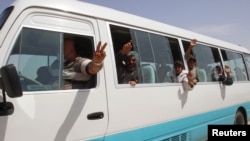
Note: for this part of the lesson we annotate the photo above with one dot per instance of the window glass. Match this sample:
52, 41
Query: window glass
120, 37
206, 59
235, 62
38, 57
4, 15
33, 53
247, 64
143, 46
154, 51
162, 48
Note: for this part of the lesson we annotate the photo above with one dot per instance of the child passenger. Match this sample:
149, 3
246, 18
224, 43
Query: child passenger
183, 76
191, 60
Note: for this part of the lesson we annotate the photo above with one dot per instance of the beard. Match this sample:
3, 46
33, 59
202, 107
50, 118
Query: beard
131, 68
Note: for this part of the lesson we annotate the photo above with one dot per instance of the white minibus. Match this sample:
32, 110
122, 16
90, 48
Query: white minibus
155, 109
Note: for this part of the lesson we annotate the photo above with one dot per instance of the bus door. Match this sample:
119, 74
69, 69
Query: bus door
47, 111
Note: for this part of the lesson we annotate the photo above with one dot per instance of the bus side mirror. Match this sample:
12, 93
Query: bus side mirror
9, 83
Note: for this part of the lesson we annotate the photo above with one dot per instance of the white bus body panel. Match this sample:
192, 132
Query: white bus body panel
54, 115
62, 114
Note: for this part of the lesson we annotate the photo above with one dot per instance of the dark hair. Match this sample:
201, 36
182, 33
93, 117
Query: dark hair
178, 63
191, 58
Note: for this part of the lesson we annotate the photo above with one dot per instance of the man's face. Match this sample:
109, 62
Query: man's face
131, 63
69, 50
191, 64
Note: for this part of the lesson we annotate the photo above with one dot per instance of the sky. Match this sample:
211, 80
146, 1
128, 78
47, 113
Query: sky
227, 20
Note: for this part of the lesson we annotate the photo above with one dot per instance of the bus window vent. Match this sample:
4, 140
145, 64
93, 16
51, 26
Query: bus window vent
181, 137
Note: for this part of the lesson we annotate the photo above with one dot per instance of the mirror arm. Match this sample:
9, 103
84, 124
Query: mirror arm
4, 96
6, 108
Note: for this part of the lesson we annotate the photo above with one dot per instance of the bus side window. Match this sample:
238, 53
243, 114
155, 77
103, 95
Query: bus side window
156, 54
235, 62
122, 36
34, 49
43, 75
40, 52
247, 64
147, 61
84, 48
207, 57
175, 54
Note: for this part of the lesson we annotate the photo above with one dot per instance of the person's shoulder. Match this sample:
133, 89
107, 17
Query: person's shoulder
183, 74
184, 71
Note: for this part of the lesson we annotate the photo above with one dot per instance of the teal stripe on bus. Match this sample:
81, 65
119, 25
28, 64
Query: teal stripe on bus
182, 129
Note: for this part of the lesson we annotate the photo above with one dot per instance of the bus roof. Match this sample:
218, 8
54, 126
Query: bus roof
112, 15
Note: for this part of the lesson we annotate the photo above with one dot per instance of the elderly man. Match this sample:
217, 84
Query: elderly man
126, 61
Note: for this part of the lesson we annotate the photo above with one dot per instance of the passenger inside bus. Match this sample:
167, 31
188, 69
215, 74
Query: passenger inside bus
191, 61
218, 75
182, 76
76, 68
126, 64
44, 76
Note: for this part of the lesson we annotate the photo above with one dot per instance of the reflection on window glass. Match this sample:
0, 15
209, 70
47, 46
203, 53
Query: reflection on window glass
33, 53
247, 64
235, 62
4, 15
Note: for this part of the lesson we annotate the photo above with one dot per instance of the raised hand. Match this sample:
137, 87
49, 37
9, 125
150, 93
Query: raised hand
99, 54
193, 42
127, 47
132, 83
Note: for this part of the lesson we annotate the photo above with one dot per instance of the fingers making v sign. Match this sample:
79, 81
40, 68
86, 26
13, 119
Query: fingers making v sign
100, 53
